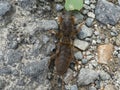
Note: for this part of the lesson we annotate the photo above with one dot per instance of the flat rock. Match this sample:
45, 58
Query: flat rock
106, 12
36, 69
104, 75
4, 8
5, 70
82, 45
105, 53
13, 56
85, 32
48, 24
87, 76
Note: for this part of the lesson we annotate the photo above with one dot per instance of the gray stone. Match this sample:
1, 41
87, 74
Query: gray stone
35, 69
13, 45
92, 6
78, 55
45, 39
85, 32
85, 11
92, 88
13, 56
84, 61
118, 40
20, 82
5, 70
78, 17
89, 21
82, 45
1, 55
27, 4
114, 33
87, 76
91, 14
4, 8
48, 25
59, 7
87, 2
2, 84
107, 13
74, 87
119, 55
119, 2
104, 75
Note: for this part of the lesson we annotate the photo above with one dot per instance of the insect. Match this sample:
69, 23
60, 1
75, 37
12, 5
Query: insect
64, 50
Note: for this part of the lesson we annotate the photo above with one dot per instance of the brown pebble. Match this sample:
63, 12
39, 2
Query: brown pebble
109, 87
105, 53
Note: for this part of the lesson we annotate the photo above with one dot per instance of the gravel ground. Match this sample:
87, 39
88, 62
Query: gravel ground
26, 45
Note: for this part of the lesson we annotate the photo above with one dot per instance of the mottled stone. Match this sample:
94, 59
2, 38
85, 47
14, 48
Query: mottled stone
36, 70
85, 32
87, 76
78, 55
4, 7
13, 56
105, 53
59, 7
82, 45
107, 13
2, 84
104, 75
89, 21
48, 24
5, 70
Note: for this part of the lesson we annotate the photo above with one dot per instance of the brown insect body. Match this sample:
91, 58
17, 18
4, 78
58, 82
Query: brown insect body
64, 52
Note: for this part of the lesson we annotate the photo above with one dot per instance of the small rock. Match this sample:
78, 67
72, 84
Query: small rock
2, 84
89, 22
106, 12
91, 15
85, 32
119, 56
27, 4
78, 55
74, 87
92, 6
87, 2
87, 76
59, 7
48, 25
119, 2
110, 87
13, 56
85, 11
118, 40
92, 88
84, 61
105, 53
45, 39
114, 33
5, 70
1, 56
78, 17
82, 45
13, 45
20, 82
4, 8
104, 75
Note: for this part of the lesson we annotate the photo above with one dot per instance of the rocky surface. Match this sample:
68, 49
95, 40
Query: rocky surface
27, 42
